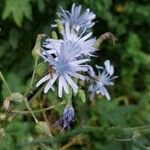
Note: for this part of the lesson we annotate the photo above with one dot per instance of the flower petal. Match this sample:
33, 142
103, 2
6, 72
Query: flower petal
71, 83
45, 78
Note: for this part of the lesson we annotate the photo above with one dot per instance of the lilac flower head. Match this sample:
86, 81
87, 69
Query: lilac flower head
67, 118
65, 66
105, 78
76, 19
82, 42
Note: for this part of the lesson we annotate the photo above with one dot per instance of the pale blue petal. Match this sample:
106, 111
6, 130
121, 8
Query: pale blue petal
71, 83
45, 78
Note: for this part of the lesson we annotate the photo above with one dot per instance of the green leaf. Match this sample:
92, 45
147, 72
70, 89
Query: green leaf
81, 96
14, 38
41, 5
7, 143
18, 9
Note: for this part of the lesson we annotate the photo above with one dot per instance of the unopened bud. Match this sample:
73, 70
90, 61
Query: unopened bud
81, 95
54, 35
43, 128
60, 26
16, 97
41, 68
37, 48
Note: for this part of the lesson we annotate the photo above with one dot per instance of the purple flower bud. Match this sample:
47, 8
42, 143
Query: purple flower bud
67, 118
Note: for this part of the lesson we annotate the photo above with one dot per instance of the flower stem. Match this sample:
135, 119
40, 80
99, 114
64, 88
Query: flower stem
37, 111
33, 74
3, 79
30, 110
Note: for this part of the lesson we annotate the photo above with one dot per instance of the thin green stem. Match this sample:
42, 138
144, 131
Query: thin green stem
37, 111
124, 140
30, 110
33, 74
4, 81
142, 127
142, 147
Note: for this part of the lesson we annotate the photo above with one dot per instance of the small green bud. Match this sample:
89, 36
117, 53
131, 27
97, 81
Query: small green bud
16, 97
37, 48
54, 35
41, 68
81, 95
60, 26
43, 128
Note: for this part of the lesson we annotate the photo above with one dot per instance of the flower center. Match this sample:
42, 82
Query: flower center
62, 67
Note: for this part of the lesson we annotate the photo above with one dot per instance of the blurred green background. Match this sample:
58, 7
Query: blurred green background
20, 23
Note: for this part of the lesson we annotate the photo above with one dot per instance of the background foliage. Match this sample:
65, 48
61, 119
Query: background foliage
20, 23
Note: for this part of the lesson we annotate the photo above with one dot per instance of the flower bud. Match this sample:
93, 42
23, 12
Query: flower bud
41, 68
81, 95
16, 97
67, 117
37, 48
54, 35
42, 127
60, 26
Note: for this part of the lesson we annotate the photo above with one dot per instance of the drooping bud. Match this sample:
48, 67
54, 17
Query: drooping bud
37, 48
103, 37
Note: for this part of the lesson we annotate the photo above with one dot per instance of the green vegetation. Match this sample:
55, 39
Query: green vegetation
120, 124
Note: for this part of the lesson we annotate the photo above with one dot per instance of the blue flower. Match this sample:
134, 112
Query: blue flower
76, 19
82, 42
104, 78
67, 118
63, 67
